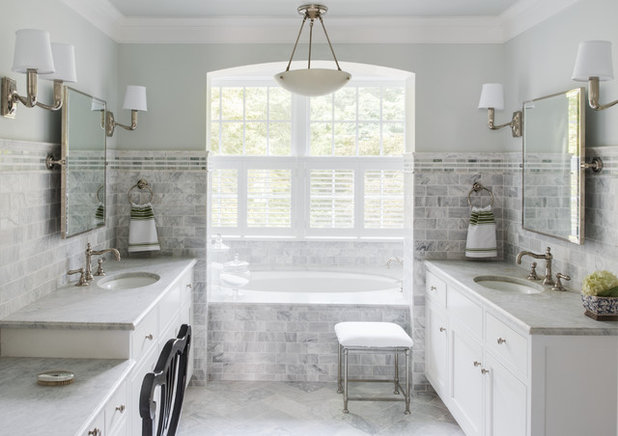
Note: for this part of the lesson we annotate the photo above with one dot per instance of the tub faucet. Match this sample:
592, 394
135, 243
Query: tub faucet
89, 253
548, 280
392, 260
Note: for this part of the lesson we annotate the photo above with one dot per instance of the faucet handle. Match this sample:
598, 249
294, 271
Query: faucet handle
100, 271
82, 277
532, 275
558, 286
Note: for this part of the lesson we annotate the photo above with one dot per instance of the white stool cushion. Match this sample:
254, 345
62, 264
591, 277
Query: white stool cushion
372, 334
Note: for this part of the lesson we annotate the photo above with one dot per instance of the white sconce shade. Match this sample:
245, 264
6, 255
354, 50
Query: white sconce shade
64, 61
33, 51
135, 98
492, 96
312, 82
594, 59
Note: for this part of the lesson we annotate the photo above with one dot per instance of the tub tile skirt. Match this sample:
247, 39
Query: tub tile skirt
372, 337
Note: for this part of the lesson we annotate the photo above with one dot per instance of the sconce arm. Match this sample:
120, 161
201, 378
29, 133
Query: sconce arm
58, 100
10, 97
111, 124
593, 95
515, 124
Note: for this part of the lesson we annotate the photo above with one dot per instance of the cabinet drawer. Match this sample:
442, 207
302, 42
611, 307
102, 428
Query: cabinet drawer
145, 336
116, 410
435, 289
465, 312
506, 343
169, 305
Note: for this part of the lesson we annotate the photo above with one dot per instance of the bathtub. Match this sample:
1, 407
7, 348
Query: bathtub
313, 287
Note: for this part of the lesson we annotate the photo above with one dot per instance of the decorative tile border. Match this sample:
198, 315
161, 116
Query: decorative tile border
161, 160
25, 156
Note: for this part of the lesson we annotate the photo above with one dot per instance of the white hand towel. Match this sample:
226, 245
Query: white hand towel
142, 229
481, 233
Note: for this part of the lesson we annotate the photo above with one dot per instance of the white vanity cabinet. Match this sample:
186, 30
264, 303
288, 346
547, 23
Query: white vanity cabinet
500, 379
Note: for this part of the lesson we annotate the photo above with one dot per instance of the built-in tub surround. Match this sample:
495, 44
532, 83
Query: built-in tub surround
34, 258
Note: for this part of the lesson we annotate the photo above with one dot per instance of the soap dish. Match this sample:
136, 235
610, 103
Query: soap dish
55, 378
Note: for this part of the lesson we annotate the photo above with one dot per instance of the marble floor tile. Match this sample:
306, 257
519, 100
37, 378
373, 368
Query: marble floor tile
229, 408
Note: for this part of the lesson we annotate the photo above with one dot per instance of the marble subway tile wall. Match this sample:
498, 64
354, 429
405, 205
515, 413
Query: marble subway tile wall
34, 258
441, 212
283, 342
178, 181
600, 248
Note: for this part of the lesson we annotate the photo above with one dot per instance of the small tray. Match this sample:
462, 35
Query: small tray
58, 377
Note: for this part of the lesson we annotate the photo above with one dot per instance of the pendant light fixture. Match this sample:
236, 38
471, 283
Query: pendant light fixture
317, 81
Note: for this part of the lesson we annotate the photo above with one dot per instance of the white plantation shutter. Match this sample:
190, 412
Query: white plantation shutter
331, 199
383, 199
269, 197
224, 198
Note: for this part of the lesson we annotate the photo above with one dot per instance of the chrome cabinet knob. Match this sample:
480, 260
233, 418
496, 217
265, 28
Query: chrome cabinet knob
501, 341
121, 408
476, 363
442, 329
150, 337
433, 288
189, 285
484, 371
94, 432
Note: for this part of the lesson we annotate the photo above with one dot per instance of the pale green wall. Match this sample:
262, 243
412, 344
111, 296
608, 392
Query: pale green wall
96, 59
448, 83
540, 61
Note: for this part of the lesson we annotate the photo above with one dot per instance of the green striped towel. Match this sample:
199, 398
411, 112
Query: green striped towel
142, 229
481, 240
99, 215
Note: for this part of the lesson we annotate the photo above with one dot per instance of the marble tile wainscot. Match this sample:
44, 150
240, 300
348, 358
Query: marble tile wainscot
34, 258
178, 180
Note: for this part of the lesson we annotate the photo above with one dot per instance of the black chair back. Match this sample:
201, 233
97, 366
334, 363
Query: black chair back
160, 400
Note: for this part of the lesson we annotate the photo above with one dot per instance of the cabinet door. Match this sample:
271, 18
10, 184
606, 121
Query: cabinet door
135, 385
467, 382
436, 341
505, 399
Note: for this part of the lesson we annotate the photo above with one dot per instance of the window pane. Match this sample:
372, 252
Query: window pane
280, 139
345, 104
345, 139
269, 198
255, 139
213, 142
383, 199
369, 139
321, 108
231, 138
331, 199
369, 104
393, 142
255, 103
215, 92
280, 104
393, 104
321, 139
224, 198
231, 103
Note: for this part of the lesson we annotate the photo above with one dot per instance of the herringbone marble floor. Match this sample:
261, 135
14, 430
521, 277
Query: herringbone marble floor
306, 409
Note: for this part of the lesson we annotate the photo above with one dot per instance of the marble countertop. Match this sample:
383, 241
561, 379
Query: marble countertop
28, 408
93, 307
547, 313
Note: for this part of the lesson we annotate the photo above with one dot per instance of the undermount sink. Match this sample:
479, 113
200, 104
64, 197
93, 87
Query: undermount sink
129, 280
509, 284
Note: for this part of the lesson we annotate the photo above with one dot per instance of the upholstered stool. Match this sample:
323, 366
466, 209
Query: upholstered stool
373, 337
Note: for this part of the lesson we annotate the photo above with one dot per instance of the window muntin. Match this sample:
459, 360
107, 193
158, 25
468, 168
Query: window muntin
337, 147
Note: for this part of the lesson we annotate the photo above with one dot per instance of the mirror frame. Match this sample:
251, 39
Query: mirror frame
579, 239
64, 166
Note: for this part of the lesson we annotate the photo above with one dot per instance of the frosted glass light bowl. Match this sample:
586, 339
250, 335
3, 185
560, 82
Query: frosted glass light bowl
509, 284
129, 280
312, 82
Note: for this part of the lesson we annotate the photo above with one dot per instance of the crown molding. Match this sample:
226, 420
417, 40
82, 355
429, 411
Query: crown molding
267, 30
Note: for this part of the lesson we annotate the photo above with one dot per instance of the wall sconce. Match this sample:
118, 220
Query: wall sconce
134, 100
34, 55
492, 99
594, 64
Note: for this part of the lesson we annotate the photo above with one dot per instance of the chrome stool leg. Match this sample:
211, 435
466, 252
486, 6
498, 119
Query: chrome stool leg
345, 381
407, 393
396, 391
339, 386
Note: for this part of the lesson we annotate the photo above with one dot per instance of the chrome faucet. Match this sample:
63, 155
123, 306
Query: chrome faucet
392, 260
548, 280
89, 253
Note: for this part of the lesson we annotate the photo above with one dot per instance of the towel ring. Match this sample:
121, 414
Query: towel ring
141, 185
476, 187
99, 193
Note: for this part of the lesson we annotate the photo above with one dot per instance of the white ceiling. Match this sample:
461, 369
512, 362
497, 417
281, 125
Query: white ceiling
287, 8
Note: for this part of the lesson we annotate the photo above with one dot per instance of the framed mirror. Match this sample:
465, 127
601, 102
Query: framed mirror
83, 172
552, 177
